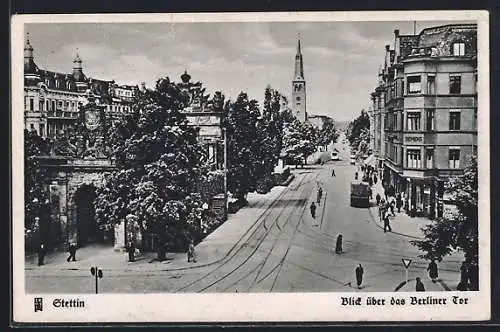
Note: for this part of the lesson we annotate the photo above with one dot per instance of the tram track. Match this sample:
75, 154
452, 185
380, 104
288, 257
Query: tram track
248, 241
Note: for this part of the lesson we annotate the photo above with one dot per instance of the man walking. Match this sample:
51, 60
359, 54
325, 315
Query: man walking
41, 253
377, 198
359, 275
399, 202
131, 251
320, 195
313, 210
387, 225
72, 252
333, 172
191, 253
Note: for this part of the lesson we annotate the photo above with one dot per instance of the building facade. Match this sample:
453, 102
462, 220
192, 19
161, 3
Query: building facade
425, 113
299, 87
51, 99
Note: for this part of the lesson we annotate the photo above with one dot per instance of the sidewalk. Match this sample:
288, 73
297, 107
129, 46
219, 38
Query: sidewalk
215, 247
402, 223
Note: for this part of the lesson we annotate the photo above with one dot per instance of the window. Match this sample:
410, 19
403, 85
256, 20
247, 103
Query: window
429, 120
454, 158
32, 104
42, 129
459, 49
413, 121
297, 98
455, 84
53, 105
413, 158
32, 127
431, 84
413, 83
429, 158
454, 120
40, 106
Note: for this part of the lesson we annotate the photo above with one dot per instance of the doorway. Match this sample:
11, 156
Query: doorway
85, 215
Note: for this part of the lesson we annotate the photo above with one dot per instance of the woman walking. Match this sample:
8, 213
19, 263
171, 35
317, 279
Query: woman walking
433, 270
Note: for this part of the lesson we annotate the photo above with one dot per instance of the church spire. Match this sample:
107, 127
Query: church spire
29, 64
299, 66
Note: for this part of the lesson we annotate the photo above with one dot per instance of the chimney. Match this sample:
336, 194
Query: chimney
397, 52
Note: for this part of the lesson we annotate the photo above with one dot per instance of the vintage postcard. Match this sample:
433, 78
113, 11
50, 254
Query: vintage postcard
243, 167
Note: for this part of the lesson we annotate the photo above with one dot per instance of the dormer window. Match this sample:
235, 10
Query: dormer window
458, 49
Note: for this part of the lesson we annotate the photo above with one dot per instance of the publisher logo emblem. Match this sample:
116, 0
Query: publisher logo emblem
38, 304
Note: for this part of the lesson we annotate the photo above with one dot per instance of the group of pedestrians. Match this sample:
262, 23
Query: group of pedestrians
42, 252
432, 268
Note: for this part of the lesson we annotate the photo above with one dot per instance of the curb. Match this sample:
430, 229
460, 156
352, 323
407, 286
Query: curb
375, 218
224, 256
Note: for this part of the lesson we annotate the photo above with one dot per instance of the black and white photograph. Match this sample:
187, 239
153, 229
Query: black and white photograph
200, 167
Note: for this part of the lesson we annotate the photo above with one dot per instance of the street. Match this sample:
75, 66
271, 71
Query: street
285, 250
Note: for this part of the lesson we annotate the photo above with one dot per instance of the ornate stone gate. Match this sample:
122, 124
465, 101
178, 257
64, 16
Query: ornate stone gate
66, 179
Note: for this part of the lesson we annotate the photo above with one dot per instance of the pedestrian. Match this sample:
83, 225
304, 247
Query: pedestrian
419, 286
370, 181
313, 210
191, 252
371, 192
387, 224
391, 207
356, 175
320, 195
338, 245
131, 251
399, 202
359, 275
72, 252
433, 270
375, 179
41, 253
377, 198
333, 172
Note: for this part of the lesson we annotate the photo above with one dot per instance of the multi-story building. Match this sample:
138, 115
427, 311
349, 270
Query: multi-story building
426, 103
51, 99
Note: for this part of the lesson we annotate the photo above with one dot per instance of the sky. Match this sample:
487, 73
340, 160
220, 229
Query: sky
341, 59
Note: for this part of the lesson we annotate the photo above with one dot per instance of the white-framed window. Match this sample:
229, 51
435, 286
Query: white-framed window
429, 119
429, 157
413, 121
431, 84
32, 104
413, 158
455, 83
454, 157
413, 84
458, 49
454, 123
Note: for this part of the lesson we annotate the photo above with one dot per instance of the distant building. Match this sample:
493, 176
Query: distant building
51, 99
425, 113
318, 120
299, 87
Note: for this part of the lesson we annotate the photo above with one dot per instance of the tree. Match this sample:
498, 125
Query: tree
457, 231
243, 150
299, 142
35, 191
328, 133
269, 134
158, 165
356, 127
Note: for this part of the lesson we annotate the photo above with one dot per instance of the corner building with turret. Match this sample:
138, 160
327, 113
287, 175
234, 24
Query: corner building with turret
425, 113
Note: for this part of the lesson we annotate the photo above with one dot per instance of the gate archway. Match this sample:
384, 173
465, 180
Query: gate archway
87, 231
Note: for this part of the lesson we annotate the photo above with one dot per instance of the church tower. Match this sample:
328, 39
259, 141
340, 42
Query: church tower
299, 87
